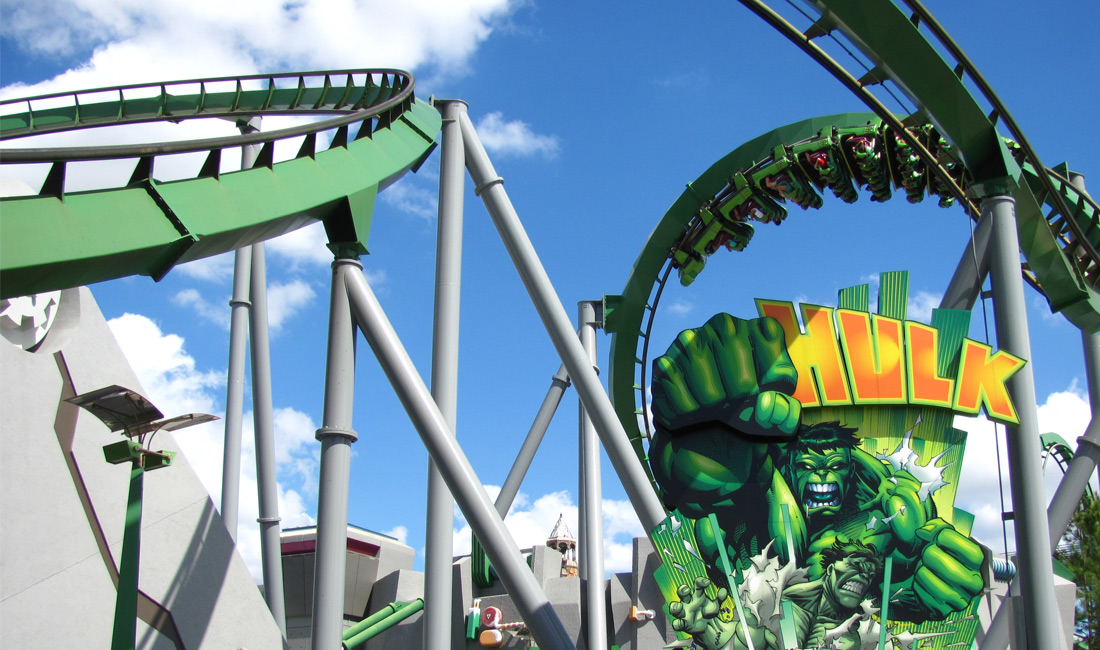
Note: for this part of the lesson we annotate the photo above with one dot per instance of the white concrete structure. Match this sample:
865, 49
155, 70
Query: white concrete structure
62, 508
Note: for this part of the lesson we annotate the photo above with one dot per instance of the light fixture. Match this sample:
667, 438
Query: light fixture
135, 417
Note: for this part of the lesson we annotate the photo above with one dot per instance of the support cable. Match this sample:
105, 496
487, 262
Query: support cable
996, 431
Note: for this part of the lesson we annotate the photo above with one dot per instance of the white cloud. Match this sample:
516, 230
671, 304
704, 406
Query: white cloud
514, 137
681, 307
921, 305
410, 199
206, 310
286, 300
169, 376
102, 174
304, 247
164, 368
400, 533
298, 250
1055, 319
531, 522
211, 269
1065, 412
127, 41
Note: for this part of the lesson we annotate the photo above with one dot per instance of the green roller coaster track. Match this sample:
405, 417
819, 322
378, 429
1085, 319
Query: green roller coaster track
147, 227
948, 147
1056, 447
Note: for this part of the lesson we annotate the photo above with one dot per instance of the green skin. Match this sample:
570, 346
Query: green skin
818, 605
724, 416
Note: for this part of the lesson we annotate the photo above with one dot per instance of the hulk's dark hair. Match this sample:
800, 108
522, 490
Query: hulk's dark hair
819, 437
844, 549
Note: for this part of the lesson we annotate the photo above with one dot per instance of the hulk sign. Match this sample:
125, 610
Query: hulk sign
812, 490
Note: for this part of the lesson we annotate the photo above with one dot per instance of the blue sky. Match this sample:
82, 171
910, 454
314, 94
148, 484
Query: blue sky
596, 115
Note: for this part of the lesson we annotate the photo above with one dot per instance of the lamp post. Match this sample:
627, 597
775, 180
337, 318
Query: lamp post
130, 414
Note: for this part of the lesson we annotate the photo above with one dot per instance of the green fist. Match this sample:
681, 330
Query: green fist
732, 371
949, 573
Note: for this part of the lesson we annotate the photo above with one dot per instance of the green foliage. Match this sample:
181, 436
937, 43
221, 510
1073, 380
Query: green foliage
1080, 553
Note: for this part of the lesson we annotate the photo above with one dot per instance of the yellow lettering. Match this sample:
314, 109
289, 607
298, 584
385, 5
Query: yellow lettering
925, 384
982, 380
822, 380
873, 354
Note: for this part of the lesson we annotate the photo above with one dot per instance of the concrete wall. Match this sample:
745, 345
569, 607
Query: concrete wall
566, 595
63, 505
362, 573
1065, 592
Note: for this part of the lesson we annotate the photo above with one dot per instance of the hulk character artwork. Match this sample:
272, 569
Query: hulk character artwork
734, 451
828, 612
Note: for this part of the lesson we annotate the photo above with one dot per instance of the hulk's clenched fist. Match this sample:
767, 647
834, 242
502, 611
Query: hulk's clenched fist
730, 370
720, 394
949, 574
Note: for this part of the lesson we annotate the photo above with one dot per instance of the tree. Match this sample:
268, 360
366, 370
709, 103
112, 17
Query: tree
1080, 553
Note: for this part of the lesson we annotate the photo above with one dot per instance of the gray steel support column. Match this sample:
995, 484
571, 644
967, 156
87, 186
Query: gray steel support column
1081, 468
234, 394
1060, 511
591, 494
439, 551
531, 443
1091, 344
336, 436
966, 283
533, 606
1073, 483
267, 485
629, 469
238, 355
1036, 573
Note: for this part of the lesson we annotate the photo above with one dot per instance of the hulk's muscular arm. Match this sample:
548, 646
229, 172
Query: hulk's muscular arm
938, 571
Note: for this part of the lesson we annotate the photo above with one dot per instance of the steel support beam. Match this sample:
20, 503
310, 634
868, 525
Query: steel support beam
531, 443
1081, 468
439, 552
234, 394
238, 354
267, 485
530, 601
490, 187
336, 436
966, 284
591, 492
1091, 344
1036, 573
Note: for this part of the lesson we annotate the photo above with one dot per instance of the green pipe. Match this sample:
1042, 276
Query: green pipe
373, 618
735, 591
124, 634
401, 611
883, 615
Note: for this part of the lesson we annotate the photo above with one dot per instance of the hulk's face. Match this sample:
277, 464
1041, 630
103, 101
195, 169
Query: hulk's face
820, 480
847, 580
